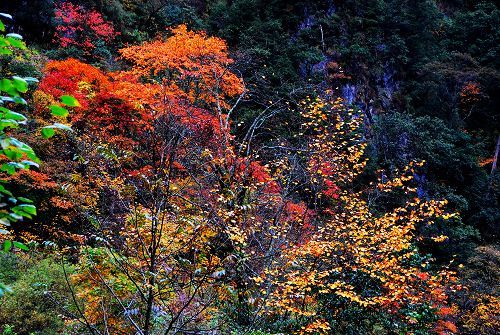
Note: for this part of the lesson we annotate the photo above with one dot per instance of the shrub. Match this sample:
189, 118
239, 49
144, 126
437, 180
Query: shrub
38, 289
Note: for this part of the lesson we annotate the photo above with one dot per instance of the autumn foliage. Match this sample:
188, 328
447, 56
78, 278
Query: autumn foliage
190, 65
187, 223
81, 28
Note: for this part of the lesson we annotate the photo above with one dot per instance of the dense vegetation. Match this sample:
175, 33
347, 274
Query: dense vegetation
249, 167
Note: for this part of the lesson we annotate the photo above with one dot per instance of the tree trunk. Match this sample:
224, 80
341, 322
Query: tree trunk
495, 158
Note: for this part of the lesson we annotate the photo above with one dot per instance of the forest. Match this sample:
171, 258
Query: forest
249, 167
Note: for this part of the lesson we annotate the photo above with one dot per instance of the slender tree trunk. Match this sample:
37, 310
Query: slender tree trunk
151, 281
149, 306
495, 158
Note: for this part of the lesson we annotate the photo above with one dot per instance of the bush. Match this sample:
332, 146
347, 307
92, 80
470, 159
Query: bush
38, 289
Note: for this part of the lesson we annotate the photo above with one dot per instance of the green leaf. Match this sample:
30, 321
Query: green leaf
61, 126
28, 163
70, 101
19, 144
30, 209
59, 111
2, 26
11, 167
5, 51
21, 246
31, 155
29, 201
16, 42
48, 132
15, 217
7, 86
8, 123
7, 245
5, 191
15, 116
13, 153
13, 35
16, 99
20, 84
31, 79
